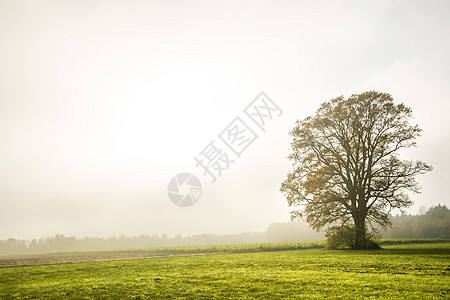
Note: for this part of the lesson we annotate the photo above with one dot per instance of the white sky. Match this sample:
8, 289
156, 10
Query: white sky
103, 102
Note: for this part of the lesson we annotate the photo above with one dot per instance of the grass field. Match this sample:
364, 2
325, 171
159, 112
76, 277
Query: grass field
399, 271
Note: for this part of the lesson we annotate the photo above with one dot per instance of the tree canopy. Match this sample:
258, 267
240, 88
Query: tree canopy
346, 164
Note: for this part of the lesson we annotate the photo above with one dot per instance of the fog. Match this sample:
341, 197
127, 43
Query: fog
102, 103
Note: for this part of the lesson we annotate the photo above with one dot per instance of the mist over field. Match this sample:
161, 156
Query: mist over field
433, 223
199, 149
103, 103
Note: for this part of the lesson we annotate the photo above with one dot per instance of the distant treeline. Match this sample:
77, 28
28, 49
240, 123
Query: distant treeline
434, 223
286, 232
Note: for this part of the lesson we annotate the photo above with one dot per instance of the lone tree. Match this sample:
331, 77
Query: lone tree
347, 169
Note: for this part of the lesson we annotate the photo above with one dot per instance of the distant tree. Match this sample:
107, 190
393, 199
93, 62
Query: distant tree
347, 169
435, 223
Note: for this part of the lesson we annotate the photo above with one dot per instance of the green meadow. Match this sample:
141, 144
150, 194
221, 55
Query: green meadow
401, 270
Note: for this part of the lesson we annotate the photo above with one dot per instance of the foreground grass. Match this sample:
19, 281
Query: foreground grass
411, 271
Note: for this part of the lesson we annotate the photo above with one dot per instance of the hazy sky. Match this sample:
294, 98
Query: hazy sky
103, 102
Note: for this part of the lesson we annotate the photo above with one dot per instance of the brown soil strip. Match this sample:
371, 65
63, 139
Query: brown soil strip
56, 258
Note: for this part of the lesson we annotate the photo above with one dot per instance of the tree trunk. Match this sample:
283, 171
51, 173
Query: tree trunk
360, 231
